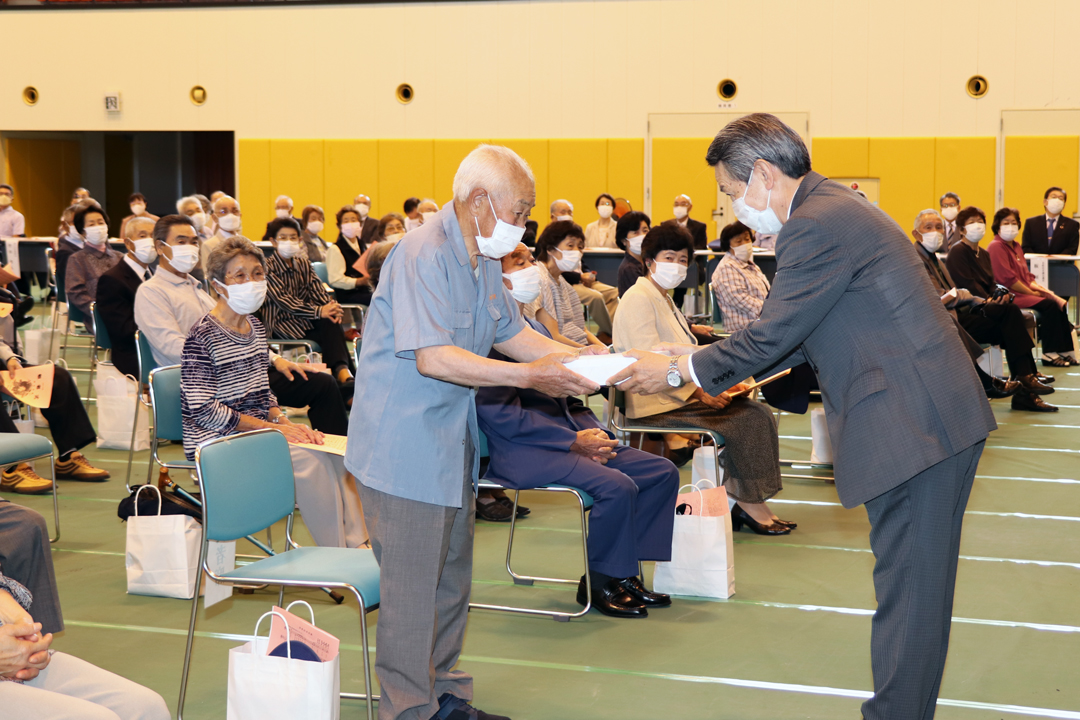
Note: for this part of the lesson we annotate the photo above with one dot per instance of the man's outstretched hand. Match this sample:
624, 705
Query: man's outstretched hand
550, 376
647, 376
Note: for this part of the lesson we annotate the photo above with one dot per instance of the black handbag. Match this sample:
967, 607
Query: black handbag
171, 504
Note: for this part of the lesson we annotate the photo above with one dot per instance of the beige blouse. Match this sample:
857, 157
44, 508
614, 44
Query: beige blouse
600, 237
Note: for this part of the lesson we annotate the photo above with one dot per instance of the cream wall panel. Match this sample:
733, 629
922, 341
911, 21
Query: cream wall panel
850, 67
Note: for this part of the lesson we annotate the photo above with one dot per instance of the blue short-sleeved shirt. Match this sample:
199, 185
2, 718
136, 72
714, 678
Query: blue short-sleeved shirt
407, 432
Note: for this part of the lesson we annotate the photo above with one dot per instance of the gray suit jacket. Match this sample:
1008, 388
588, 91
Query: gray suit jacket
851, 297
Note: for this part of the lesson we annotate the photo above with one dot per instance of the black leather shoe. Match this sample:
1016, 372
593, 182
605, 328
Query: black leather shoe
612, 599
507, 503
1045, 379
637, 590
454, 708
1033, 386
739, 517
681, 456
1001, 388
492, 510
1031, 403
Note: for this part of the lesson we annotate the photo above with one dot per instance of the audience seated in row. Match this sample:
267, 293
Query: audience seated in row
601, 233
224, 390
601, 299
648, 316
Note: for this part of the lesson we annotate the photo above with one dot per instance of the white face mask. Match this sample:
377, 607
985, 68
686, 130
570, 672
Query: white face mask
635, 244
931, 241
680, 211
363, 209
1008, 233
975, 231
281, 212
137, 208
605, 211
569, 260
198, 220
428, 215
743, 252
760, 221
564, 218
504, 238
184, 258
1055, 205
525, 284
96, 235
350, 229
315, 227
950, 212
246, 298
5, 200
229, 223
669, 275
144, 250
288, 248
394, 237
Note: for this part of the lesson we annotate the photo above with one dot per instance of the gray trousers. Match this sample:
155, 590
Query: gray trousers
915, 536
25, 556
425, 572
73, 689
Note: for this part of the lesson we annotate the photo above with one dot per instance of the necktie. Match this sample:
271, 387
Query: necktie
146, 275
1050, 228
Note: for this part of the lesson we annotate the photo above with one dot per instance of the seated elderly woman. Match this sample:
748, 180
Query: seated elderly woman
751, 457
298, 306
313, 219
36, 681
345, 271
224, 390
738, 283
1011, 270
630, 231
534, 439
85, 267
558, 307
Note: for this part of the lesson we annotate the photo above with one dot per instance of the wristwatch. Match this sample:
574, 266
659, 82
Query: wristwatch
674, 377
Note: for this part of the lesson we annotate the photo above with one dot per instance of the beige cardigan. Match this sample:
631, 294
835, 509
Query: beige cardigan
647, 317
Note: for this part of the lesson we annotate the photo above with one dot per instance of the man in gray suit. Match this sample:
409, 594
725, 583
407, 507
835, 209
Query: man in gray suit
907, 415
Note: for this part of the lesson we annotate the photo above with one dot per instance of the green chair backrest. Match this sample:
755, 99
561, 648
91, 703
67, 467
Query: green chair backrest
165, 399
101, 335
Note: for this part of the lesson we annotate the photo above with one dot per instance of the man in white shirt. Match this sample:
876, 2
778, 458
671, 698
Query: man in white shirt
12, 222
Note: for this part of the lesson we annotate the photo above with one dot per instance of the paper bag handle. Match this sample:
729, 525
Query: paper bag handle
288, 608
288, 637
141, 488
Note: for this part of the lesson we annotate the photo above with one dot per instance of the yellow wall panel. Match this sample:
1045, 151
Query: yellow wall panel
578, 173
535, 152
253, 188
42, 173
906, 169
448, 155
626, 170
678, 167
967, 167
406, 169
841, 156
296, 170
1033, 164
350, 167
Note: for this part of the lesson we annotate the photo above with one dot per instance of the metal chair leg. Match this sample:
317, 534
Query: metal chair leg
190, 636
131, 447
55, 501
368, 695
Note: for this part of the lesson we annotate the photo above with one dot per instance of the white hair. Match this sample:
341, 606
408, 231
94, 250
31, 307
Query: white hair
685, 196
286, 198
214, 207
185, 200
429, 200
490, 167
562, 200
129, 229
927, 211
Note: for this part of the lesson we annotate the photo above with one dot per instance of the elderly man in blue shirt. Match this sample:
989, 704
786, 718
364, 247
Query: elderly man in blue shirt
439, 309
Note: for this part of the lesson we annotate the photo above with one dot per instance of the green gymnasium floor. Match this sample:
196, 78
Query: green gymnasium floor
793, 642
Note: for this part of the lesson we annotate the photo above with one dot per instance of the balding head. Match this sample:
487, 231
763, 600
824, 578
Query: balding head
562, 210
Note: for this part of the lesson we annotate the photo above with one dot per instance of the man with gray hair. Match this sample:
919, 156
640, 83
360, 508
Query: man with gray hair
116, 290
439, 309
906, 413
283, 208
228, 218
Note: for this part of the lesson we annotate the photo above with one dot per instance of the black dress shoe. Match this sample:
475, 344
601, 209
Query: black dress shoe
637, 590
1031, 403
1033, 386
1045, 379
507, 503
739, 517
611, 599
492, 510
1001, 388
454, 708
681, 456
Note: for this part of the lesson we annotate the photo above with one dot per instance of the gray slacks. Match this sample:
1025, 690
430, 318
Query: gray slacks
425, 572
25, 556
915, 536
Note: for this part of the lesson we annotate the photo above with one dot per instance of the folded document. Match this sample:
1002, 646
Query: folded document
599, 368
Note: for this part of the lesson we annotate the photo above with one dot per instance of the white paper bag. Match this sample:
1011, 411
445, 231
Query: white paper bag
116, 397
162, 556
819, 434
36, 346
702, 558
262, 686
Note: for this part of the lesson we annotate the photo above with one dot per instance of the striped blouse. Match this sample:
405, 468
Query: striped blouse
294, 295
222, 376
560, 301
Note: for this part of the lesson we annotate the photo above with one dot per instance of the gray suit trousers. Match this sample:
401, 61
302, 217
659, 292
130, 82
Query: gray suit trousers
425, 561
25, 557
915, 536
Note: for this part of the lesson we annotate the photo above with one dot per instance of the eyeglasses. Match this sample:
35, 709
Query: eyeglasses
241, 277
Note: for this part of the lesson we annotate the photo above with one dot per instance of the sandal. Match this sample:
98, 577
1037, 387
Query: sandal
1055, 362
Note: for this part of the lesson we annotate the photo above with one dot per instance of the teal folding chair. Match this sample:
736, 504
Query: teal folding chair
75, 315
321, 272
145, 355
166, 416
585, 503
247, 485
18, 448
